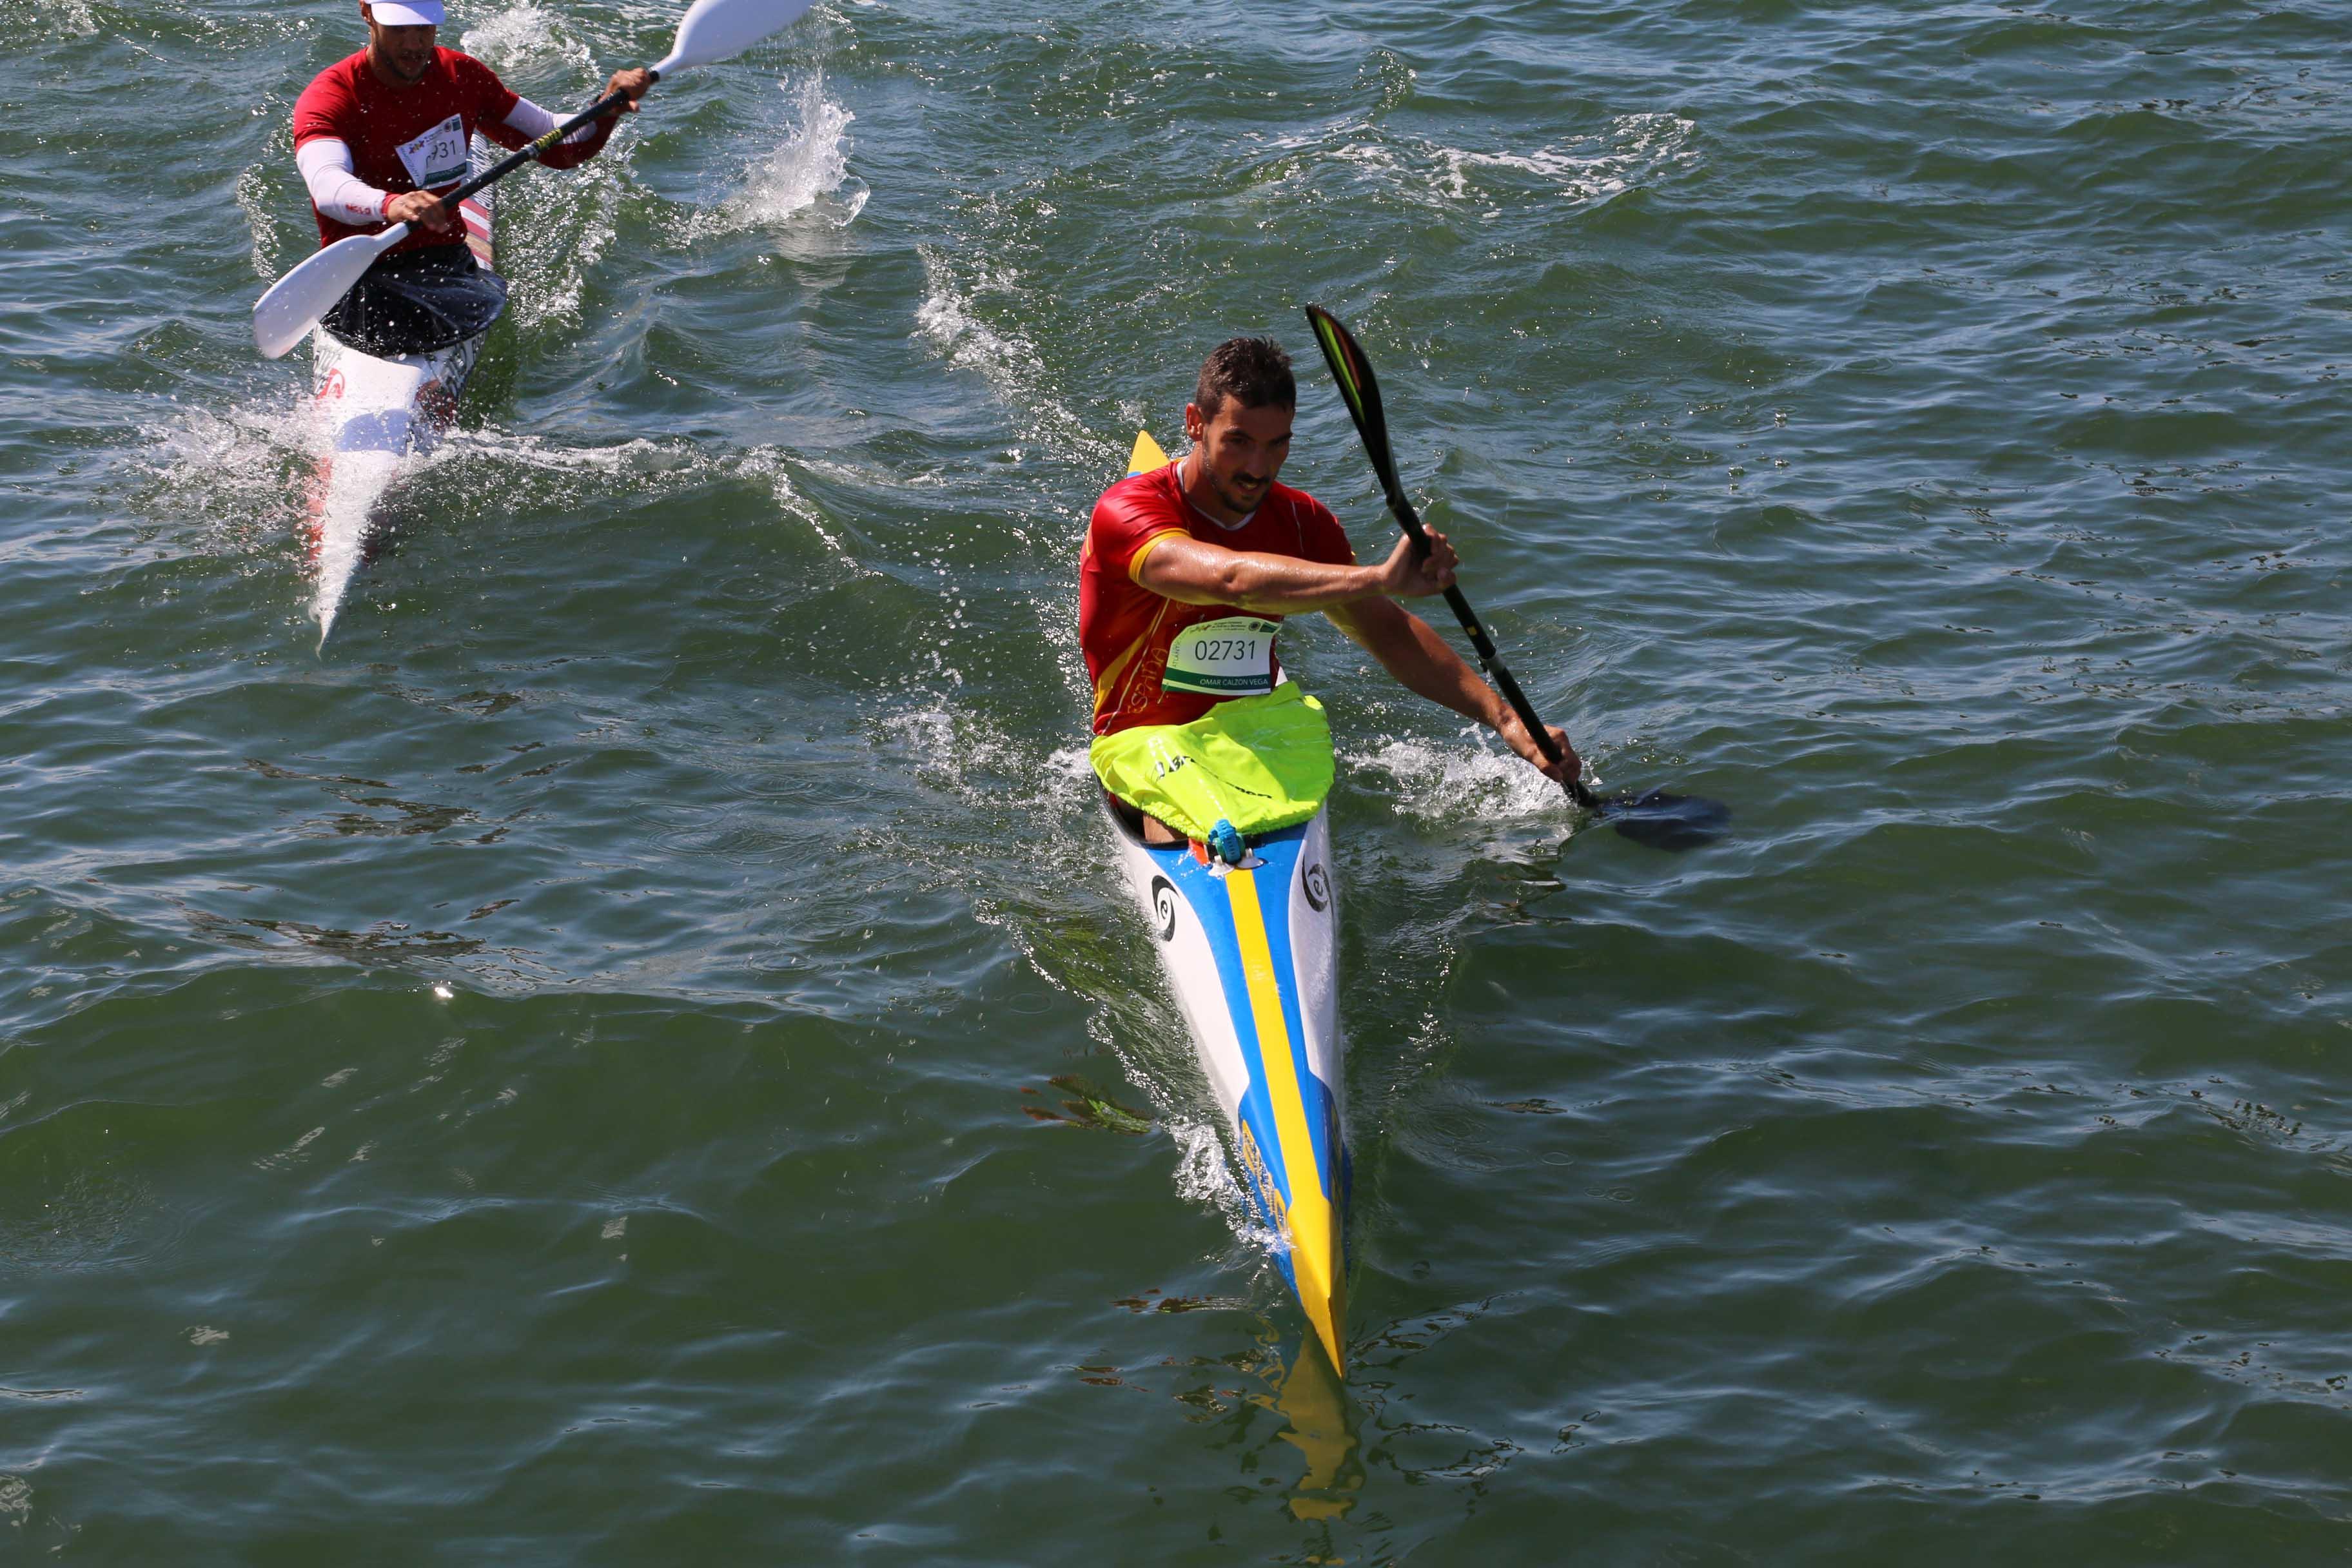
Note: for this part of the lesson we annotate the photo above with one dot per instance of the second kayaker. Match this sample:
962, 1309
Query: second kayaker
1186, 574
382, 136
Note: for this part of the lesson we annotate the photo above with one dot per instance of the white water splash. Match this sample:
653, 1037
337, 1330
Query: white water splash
240, 471
553, 231
1205, 1175
529, 41
808, 167
806, 174
1437, 784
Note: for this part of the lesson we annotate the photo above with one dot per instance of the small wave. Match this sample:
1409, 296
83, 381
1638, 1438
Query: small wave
768, 463
641, 455
1596, 169
1637, 145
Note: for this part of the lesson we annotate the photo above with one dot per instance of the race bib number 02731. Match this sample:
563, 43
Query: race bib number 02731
1228, 658
437, 157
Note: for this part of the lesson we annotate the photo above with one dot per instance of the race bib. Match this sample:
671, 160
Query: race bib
437, 157
1231, 657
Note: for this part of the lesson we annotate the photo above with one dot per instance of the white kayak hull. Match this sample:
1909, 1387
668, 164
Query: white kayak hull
370, 417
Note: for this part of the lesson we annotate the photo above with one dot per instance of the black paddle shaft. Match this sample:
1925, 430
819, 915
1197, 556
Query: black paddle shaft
513, 160
1361, 391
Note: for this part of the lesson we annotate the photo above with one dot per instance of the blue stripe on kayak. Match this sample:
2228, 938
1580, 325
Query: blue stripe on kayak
1205, 894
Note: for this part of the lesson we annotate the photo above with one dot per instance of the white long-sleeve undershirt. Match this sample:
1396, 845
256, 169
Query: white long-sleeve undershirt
342, 196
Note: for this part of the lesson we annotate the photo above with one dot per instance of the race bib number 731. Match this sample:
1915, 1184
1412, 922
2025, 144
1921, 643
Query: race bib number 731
1228, 658
437, 157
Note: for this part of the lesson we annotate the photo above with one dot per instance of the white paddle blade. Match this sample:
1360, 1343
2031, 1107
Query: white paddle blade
715, 29
296, 302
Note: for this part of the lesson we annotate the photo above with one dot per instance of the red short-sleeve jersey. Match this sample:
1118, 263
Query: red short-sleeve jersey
1126, 630
392, 132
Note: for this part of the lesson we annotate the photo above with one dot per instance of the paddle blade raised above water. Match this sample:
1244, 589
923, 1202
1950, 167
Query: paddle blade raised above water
1362, 391
285, 315
713, 30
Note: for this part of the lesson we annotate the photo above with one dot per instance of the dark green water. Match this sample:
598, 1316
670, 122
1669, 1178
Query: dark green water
558, 1078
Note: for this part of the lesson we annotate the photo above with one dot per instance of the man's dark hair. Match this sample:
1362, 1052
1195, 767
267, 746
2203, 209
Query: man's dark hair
1254, 370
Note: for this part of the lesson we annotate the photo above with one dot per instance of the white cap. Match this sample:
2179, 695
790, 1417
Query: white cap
405, 13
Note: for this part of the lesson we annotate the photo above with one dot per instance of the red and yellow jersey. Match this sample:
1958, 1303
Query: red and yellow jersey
1129, 635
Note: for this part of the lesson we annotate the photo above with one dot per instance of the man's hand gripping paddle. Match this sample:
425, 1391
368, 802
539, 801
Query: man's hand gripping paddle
712, 30
1653, 817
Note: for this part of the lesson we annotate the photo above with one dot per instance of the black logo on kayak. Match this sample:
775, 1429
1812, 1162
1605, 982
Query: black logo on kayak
1319, 886
1164, 906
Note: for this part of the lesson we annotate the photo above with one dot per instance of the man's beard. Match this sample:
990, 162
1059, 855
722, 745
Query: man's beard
1236, 501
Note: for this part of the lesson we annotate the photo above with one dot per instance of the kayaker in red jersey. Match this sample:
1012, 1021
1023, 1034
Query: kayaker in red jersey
1213, 547
382, 135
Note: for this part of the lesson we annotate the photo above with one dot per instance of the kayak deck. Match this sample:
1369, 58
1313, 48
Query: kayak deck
1251, 952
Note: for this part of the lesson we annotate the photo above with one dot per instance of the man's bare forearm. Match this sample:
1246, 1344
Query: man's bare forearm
1247, 580
1426, 665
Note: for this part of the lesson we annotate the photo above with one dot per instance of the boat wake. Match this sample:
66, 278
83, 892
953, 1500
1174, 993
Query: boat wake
955, 317
1634, 150
237, 471
1635, 147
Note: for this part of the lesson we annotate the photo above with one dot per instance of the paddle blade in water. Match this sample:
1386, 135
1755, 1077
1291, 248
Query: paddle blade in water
715, 29
1666, 821
296, 302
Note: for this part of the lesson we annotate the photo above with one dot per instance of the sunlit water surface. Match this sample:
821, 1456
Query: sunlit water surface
638, 1053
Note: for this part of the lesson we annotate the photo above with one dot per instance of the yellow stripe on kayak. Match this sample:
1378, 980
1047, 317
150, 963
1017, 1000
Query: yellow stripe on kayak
1311, 1223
